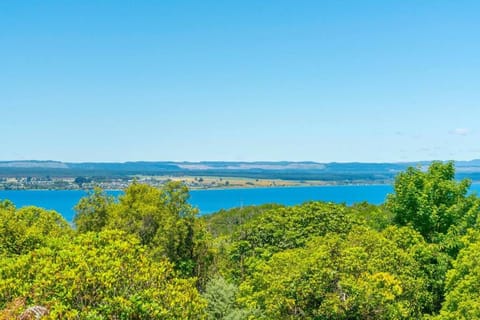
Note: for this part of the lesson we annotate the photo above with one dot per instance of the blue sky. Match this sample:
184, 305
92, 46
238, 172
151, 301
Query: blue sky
368, 81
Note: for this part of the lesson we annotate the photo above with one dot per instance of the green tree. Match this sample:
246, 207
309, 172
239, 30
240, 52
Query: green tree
433, 262
226, 222
376, 217
163, 220
106, 275
433, 201
290, 227
362, 276
221, 298
462, 300
284, 228
29, 228
81, 180
92, 211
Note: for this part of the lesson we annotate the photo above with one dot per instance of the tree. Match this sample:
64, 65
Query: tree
285, 228
162, 219
29, 228
432, 201
81, 180
462, 301
375, 216
226, 222
92, 211
290, 227
106, 275
433, 262
362, 276
221, 298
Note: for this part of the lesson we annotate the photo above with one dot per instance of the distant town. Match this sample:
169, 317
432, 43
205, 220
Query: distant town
82, 183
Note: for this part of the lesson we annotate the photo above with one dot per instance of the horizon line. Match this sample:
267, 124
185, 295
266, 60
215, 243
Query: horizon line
241, 161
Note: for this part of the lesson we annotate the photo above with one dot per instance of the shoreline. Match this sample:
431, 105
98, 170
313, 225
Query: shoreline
232, 187
226, 188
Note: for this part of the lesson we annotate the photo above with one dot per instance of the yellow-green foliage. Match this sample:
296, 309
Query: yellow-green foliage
161, 219
29, 228
462, 301
148, 256
362, 276
106, 275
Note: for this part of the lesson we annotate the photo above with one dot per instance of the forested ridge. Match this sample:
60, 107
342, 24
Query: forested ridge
150, 256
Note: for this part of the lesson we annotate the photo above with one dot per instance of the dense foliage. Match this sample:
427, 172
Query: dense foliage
148, 255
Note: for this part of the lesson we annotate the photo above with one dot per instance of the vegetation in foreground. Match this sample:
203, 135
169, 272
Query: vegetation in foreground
148, 256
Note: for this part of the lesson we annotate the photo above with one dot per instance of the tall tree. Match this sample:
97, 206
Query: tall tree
92, 211
432, 201
162, 219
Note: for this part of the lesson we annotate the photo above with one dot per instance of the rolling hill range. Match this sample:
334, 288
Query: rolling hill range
342, 172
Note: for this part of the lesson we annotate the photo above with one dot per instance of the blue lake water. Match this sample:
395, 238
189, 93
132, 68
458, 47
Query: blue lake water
208, 201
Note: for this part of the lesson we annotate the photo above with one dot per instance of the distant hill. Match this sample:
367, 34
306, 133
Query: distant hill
344, 172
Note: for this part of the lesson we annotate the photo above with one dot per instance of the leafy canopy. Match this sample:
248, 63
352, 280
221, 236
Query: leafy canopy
432, 201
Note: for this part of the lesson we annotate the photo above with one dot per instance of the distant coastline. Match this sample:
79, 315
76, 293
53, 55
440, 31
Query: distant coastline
55, 175
217, 183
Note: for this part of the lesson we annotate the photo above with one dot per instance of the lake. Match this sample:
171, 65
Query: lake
208, 201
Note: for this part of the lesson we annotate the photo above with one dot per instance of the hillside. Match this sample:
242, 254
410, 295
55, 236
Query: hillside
330, 172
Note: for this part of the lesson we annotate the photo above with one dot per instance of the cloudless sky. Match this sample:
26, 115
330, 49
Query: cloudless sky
368, 81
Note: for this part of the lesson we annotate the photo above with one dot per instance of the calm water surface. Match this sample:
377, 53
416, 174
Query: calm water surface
208, 201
